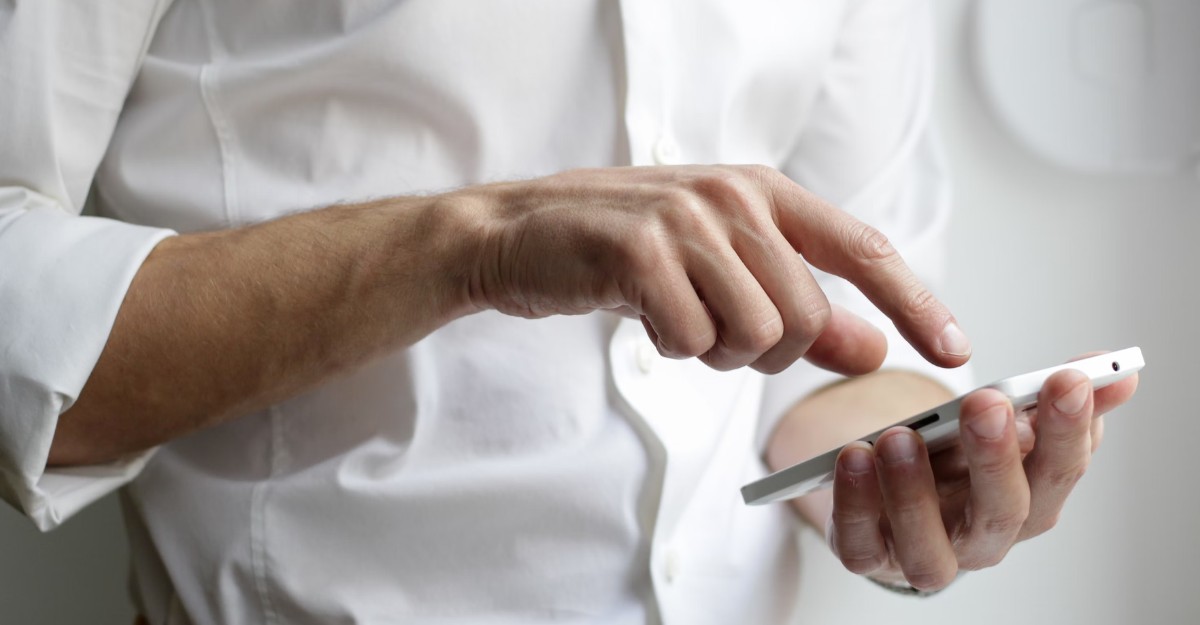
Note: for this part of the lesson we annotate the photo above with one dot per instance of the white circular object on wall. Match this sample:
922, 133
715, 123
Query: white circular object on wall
1103, 86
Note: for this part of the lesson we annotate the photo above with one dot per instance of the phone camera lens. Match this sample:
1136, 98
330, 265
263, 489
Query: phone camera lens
1116, 366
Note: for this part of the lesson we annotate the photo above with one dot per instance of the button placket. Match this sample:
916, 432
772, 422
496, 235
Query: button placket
648, 36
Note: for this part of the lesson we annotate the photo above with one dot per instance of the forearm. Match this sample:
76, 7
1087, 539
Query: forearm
219, 324
843, 412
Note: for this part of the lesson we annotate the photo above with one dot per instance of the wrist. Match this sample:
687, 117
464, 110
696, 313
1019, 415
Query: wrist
484, 222
448, 235
465, 226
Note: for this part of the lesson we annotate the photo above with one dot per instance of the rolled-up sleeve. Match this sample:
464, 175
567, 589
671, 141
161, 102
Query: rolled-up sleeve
869, 148
65, 69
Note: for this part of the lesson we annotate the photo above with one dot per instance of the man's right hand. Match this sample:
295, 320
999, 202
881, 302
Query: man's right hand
712, 260
220, 324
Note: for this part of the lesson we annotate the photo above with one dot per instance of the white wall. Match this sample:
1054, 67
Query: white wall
1048, 264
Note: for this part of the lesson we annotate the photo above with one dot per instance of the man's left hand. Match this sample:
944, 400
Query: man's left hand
900, 515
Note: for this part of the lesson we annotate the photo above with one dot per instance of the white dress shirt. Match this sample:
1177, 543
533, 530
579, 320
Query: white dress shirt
501, 470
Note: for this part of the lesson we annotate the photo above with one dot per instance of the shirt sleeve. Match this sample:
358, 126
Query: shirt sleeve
869, 148
65, 69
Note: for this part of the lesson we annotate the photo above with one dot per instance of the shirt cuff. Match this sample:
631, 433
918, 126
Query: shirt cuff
65, 278
61, 492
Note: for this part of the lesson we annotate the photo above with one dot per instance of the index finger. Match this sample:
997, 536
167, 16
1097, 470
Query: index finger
834, 241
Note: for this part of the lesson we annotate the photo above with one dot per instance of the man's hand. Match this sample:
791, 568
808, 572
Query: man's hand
710, 258
900, 515
220, 324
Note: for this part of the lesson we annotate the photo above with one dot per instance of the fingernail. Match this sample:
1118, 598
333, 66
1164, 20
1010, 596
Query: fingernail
898, 448
990, 425
953, 341
1072, 402
857, 460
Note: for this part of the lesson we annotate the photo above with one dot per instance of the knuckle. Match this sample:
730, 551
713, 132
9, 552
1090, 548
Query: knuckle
684, 210
933, 576
1043, 524
919, 303
863, 564
694, 222
1070, 428
851, 518
809, 322
691, 344
983, 560
646, 251
726, 190
1066, 479
1070, 441
870, 245
1007, 523
907, 508
676, 196
765, 175
995, 467
774, 364
762, 336
762, 172
721, 359
715, 182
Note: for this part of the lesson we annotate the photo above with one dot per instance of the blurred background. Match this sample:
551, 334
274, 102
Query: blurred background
1075, 230
1055, 253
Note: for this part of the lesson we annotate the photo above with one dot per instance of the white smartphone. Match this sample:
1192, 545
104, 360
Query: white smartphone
939, 426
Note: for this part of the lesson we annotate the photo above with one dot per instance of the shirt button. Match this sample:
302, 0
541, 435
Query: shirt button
665, 151
671, 565
644, 354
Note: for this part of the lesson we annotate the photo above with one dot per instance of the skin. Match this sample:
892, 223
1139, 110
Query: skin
710, 258
221, 324
916, 519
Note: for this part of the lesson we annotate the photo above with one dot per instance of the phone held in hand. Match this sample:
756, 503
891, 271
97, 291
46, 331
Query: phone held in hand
939, 426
